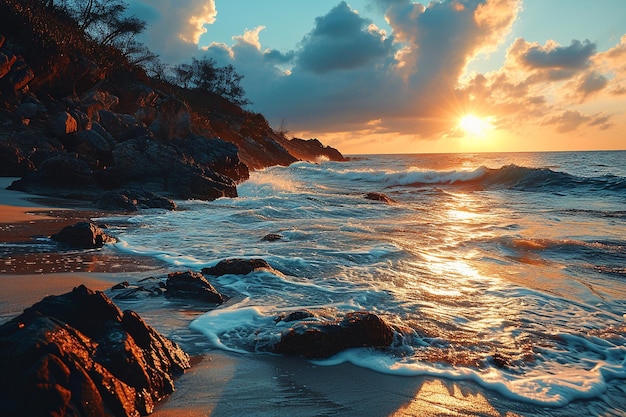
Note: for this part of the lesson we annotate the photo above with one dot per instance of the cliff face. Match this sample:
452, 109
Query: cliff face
72, 127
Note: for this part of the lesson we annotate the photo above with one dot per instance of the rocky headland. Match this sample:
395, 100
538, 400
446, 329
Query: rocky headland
79, 119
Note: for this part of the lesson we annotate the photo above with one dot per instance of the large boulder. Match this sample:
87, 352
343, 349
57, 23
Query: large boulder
172, 119
61, 175
315, 339
83, 235
122, 126
237, 266
192, 285
215, 154
77, 354
159, 167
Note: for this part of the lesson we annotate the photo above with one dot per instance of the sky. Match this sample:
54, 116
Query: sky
405, 76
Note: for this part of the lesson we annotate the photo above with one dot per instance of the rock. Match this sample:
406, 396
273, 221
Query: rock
84, 235
148, 164
192, 285
312, 150
19, 76
237, 266
26, 111
64, 124
133, 200
6, 62
12, 162
96, 100
147, 287
172, 120
294, 316
59, 175
324, 339
77, 354
121, 286
122, 127
271, 237
92, 147
379, 197
215, 154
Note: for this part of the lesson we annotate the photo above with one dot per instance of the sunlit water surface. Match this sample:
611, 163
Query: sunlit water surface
508, 270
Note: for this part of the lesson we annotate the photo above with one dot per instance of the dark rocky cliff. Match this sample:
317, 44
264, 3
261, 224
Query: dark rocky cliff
78, 120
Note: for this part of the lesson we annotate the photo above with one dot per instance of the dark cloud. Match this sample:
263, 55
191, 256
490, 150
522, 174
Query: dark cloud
278, 57
592, 83
574, 56
341, 40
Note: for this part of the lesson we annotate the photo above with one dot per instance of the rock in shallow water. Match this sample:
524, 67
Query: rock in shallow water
380, 197
77, 354
324, 339
193, 285
237, 266
83, 235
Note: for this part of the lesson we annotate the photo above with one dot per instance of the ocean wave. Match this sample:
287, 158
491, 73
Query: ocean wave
523, 179
482, 178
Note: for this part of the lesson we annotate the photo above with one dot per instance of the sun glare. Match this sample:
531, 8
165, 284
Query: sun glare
475, 126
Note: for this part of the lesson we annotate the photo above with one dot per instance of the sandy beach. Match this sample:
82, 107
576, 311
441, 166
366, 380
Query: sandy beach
222, 383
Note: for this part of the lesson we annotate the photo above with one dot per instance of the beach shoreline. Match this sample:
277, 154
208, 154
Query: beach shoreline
221, 383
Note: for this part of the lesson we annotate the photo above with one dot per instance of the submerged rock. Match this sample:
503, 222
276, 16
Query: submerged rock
272, 237
193, 285
83, 235
77, 354
324, 339
237, 266
380, 197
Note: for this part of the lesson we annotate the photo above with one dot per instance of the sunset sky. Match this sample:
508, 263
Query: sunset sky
399, 76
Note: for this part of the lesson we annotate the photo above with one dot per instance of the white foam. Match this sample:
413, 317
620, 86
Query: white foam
555, 387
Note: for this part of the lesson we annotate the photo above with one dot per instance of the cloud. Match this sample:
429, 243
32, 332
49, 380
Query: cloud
347, 75
342, 40
174, 28
347, 72
575, 56
592, 83
571, 120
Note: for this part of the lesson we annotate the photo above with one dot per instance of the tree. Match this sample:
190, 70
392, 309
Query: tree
104, 21
205, 74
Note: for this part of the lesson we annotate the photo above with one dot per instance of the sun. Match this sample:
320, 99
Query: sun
475, 126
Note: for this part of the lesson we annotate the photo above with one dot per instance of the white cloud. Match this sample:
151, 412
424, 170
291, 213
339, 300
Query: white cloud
174, 27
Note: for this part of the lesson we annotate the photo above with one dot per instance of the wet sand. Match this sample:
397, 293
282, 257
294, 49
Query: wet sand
220, 383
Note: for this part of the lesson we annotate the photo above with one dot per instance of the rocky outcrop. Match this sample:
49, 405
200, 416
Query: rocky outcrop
191, 285
237, 266
77, 354
322, 339
87, 134
83, 235
311, 150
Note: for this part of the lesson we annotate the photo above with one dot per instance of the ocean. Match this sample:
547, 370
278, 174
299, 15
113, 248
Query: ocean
504, 269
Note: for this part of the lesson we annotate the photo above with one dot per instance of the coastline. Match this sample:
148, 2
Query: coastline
220, 383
